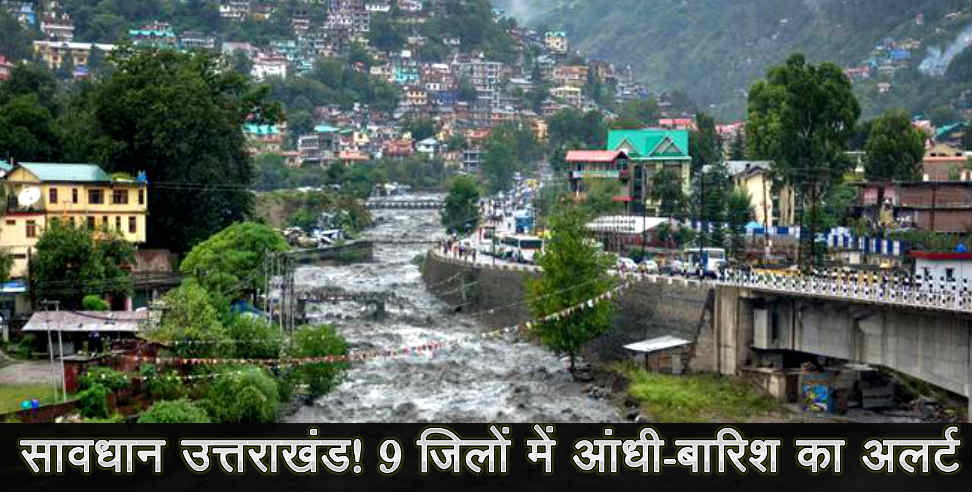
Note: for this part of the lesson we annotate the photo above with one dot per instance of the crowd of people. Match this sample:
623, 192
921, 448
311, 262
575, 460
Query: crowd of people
455, 248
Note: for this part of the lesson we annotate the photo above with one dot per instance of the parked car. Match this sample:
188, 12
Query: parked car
626, 264
648, 266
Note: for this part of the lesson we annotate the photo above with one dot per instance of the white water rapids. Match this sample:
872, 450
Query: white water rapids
485, 380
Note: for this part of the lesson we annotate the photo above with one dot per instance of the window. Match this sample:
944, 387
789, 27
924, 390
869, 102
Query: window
104, 222
55, 221
52, 195
132, 225
141, 197
11, 222
31, 228
96, 197
119, 197
118, 223
949, 274
74, 195
91, 223
775, 325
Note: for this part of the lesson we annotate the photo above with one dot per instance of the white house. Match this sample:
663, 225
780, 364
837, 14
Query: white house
429, 146
944, 266
269, 66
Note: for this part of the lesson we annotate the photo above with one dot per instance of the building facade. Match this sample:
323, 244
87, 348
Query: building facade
81, 195
650, 151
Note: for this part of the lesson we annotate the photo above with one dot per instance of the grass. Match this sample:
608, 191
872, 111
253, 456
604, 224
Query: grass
696, 397
12, 394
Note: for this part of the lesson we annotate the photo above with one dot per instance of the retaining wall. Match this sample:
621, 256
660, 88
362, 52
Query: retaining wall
651, 307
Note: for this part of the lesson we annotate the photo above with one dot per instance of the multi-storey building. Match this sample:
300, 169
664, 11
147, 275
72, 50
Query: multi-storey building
54, 53
57, 27
81, 195
237, 10
556, 41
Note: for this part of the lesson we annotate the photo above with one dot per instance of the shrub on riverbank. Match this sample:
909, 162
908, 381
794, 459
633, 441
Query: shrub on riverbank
242, 395
696, 397
180, 411
320, 341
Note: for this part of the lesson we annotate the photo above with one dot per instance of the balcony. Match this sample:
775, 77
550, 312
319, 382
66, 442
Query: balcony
594, 174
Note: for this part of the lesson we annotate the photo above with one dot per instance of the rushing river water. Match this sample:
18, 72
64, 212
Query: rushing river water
498, 379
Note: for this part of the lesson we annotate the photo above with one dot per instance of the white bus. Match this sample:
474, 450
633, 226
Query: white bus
520, 248
706, 261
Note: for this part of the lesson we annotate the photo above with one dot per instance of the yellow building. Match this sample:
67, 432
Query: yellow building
54, 53
769, 208
82, 195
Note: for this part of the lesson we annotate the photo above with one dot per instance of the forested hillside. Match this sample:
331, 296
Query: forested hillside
714, 49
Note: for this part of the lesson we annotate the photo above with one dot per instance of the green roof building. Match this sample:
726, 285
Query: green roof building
650, 151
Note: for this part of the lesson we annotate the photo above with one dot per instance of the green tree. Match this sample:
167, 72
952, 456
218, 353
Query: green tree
710, 195
894, 150
242, 395
499, 164
179, 118
641, 110
666, 188
180, 411
737, 151
94, 303
254, 338
704, 145
802, 117
421, 128
189, 315
385, 34
467, 92
241, 63
320, 341
231, 263
599, 197
739, 211
15, 40
28, 130
71, 262
461, 212
574, 271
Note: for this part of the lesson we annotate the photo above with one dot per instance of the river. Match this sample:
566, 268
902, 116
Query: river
495, 379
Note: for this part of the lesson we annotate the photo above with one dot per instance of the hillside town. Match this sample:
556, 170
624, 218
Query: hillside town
224, 187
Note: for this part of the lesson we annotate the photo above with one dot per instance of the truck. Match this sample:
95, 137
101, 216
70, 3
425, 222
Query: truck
705, 262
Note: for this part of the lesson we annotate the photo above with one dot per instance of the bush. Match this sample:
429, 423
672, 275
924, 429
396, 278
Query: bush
254, 338
320, 341
246, 394
93, 402
180, 411
105, 376
192, 316
94, 303
162, 386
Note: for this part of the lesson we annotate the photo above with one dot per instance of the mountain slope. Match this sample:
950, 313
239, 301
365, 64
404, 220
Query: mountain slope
714, 49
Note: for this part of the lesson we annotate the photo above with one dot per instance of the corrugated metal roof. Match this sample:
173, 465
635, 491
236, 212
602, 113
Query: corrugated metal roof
646, 141
86, 321
66, 172
593, 155
656, 344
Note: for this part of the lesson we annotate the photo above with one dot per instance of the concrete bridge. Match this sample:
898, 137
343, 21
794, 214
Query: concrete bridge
405, 204
762, 326
919, 328
375, 300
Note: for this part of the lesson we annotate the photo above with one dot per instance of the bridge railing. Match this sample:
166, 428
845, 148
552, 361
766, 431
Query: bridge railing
925, 293
894, 290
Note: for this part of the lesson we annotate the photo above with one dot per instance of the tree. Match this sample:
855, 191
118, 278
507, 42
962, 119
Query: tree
15, 40
179, 118
802, 117
704, 145
666, 189
180, 411
573, 271
739, 211
421, 128
231, 263
190, 315
710, 194
94, 303
894, 149
242, 395
320, 341
28, 130
461, 212
642, 110
254, 337
737, 151
499, 164
241, 63
599, 197
943, 115
467, 92
71, 262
